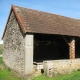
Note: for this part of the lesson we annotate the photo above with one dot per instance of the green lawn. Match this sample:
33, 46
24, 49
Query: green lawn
73, 76
7, 75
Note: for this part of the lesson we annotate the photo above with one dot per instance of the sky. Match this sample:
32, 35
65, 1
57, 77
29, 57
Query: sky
69, 8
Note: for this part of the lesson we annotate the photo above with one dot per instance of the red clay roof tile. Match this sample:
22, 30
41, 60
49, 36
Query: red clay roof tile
34, 21
42, 22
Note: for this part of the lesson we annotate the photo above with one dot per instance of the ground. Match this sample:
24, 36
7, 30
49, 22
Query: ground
7, 74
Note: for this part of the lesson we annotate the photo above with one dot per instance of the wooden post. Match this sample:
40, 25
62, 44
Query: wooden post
72, 49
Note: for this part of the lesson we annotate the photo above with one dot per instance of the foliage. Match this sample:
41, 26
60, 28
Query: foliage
74, 76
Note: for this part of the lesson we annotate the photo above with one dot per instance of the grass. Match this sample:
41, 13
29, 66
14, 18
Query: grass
7, 75
0, 51
1, 48
1, 61
74, 76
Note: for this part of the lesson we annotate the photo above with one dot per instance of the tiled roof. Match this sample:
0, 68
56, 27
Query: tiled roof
34, 21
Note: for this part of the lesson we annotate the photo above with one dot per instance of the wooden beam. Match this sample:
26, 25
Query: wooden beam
65, 40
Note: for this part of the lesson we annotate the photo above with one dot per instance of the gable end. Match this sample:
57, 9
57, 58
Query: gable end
18, 19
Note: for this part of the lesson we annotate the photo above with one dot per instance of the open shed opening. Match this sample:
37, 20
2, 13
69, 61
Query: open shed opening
50, 47
77, 48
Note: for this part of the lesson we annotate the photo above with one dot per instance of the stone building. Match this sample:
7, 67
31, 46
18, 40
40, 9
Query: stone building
34, 36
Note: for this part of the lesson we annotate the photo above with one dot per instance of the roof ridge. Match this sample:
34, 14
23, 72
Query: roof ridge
47, 13
35, 21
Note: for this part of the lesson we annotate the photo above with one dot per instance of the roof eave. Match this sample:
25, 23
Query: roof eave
18, 19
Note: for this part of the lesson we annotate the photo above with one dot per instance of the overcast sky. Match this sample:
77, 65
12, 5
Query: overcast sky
69, 8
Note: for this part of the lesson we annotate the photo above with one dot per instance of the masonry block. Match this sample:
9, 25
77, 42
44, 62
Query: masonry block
72, 49
28, 54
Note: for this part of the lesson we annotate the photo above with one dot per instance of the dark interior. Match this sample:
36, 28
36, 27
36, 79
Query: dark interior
50, 47
77, 48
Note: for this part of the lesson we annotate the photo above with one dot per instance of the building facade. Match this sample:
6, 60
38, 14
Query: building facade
34, 36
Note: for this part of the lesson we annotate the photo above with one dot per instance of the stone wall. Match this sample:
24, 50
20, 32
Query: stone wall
60, 67
13, 54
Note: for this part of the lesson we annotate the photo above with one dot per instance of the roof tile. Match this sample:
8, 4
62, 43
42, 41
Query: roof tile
42, 22
34, 21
